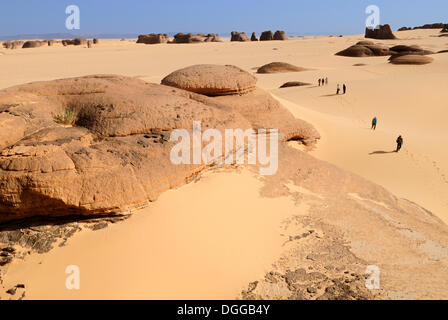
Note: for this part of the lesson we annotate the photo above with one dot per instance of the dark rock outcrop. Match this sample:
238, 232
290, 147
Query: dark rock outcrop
411, 59
294, 84
152, 38
74, 42
383, 32
432, 26
370, 49
13, 44
195, 38
239, 36
34, 44
253, 37
266, 36
365, 49
280, 35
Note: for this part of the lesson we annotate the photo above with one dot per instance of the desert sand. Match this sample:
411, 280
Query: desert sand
210, 239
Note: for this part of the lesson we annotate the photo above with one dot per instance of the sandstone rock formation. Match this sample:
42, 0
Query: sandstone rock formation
257, 106
294, 84
212, 80
411, 59
432, 26
120, 139
370, 49
444, 30
277, 67
266, 36
280, 35
253, 37
34, 44
382, 32
14, 44
264, 112
367, 50
239, 36
74, 42
404, 29
195, 38
152, 38
404, 50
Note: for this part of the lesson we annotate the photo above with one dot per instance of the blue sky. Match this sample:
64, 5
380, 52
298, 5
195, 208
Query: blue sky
146, 16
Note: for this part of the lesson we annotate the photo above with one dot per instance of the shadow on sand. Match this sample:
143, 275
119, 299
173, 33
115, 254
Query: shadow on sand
331, 95
381, 152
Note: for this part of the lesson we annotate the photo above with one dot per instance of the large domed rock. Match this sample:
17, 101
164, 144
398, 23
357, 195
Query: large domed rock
257, 106
152, 38
278, 67
370, 49
411, 59
365, 49
382, 32
34, 44
212, 79
115, 157
414, 49
266, 36
280, 35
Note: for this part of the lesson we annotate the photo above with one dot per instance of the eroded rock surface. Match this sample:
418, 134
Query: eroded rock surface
116, 156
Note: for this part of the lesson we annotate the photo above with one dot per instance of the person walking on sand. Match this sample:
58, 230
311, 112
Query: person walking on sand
399, 143
319, 82
344, 88
326, 80
374, 122
338, 89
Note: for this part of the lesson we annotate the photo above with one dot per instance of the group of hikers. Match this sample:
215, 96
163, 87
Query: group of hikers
323, 81
344, 88
399, 140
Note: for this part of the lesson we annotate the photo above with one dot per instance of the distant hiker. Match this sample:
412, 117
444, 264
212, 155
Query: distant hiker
338, 89
319, 82
374, 121
323, 81
344, 88
326, 80
399, 143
